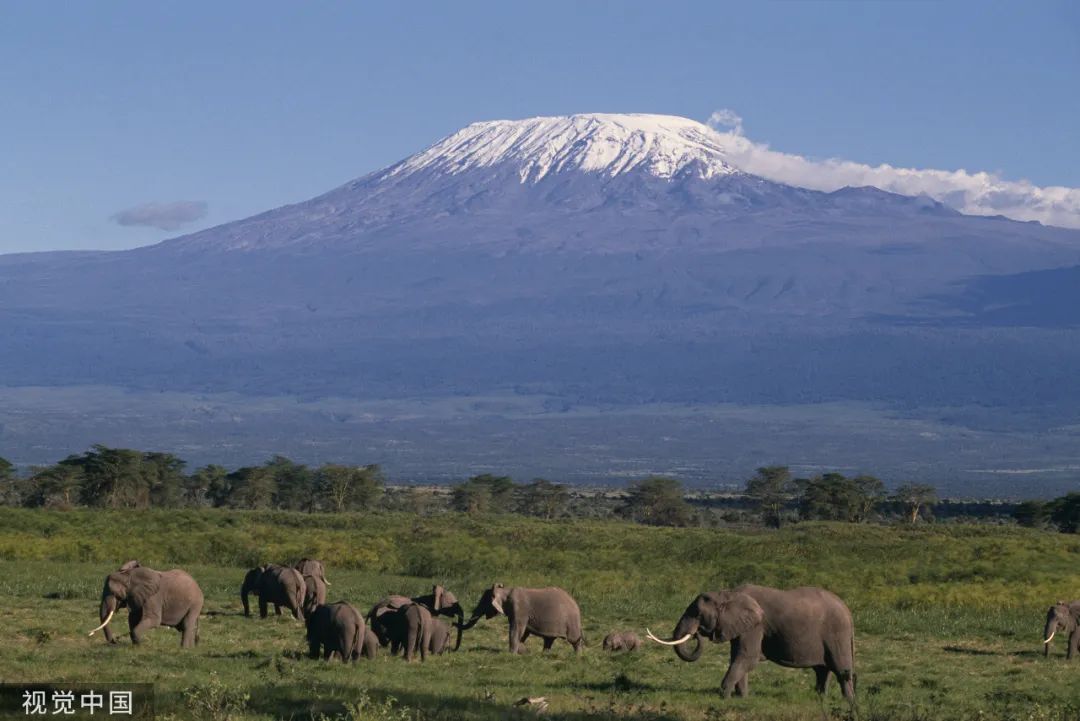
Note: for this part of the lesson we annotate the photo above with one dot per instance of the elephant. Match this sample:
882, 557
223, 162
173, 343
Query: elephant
335, 628
622, 641
401, 624
311, 567
801, 628
440, 637
439, 602
550, 613
1063, 616
314, 593
279, 585
153, 598
370, 648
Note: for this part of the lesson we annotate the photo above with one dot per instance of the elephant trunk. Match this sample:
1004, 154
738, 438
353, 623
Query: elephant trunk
460, 627
244, 591
108, 608
683, 651
477, 615
1048, 635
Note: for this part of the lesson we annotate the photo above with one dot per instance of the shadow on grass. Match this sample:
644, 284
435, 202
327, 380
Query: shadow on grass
969, 651
295, 702
620, 684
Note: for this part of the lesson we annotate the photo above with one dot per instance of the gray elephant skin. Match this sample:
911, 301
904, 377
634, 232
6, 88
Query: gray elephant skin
440, 637
311, 567
1065, 617
153, 598
335, 628
279, 585
622, 641
439, 602
805, 627
370, 648
314, 593
549, 613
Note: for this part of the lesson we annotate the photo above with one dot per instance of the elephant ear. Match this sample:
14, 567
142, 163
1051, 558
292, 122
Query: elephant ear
737, 613
144, 585
498, 596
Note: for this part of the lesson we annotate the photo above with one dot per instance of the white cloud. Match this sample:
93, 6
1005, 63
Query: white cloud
976, 193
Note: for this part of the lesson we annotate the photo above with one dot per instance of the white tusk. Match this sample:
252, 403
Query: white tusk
103, 623
681, 641
1051, 637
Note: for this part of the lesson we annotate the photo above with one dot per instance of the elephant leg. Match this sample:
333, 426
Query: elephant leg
1074, 644
743, 660
313, 649
138, 631
548, 640
189, 630
262, 607
518, 633
822, 674
846, 679
277, 609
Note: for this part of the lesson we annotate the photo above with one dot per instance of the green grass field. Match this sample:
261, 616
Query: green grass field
948, 618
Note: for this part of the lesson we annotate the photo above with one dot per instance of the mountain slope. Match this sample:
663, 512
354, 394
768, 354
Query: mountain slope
592, 259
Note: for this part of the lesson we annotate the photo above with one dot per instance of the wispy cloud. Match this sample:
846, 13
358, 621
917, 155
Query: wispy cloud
976, 193
165, 216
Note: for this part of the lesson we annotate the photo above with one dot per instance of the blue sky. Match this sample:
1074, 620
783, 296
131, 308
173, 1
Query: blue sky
247, 106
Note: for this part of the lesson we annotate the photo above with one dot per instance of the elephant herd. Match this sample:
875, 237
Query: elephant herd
805, 627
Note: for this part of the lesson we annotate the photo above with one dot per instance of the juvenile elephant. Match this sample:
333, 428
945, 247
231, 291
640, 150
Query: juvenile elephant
549, 613
439, 602
440, 637
370, 648
314, 593
1065, 617
153, 598
335, 628
802, 628
279, 585
622, 641
311, 567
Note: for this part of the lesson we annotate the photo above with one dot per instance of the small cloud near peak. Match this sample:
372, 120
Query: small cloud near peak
171, 215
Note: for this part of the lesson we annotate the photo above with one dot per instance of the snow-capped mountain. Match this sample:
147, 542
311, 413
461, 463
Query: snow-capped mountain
664, 146
615, 259
543, 183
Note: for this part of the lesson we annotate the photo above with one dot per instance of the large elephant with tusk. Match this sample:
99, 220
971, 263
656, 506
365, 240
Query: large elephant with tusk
1065, 617
802, 628
153, 598
549, 613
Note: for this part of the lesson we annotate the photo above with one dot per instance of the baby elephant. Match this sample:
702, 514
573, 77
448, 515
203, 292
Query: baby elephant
622, 641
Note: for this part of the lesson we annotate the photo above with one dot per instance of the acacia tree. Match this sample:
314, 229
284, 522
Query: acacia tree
915, 497
347, 487
771, 488
543, 499
658, 501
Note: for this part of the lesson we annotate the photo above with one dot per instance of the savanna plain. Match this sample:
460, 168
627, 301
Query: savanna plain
948, 617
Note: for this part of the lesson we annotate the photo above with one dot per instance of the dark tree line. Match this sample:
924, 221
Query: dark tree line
106, 477
833, 497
